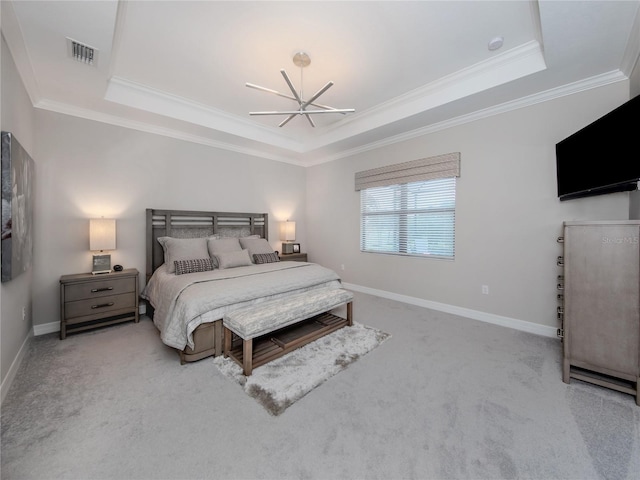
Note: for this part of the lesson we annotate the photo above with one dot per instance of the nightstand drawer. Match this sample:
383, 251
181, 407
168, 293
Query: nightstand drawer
89, 301
99, 307
107, 287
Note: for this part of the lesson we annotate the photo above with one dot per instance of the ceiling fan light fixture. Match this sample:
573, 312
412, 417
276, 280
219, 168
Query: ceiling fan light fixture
300, 59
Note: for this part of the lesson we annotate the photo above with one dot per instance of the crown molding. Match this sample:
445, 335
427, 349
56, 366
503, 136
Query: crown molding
511, 65
551, 94
12, 34
136, 95
87, 114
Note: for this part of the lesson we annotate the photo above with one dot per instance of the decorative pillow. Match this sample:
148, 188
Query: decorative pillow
182, 249
216, 246
233, 259
256, 245
265, 257
191, 266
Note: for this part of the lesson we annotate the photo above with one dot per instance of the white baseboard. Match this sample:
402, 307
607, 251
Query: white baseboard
11, 374
45, 328
514, 323
53, 327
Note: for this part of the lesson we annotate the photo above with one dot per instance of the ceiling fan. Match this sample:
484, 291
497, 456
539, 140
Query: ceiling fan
300, 59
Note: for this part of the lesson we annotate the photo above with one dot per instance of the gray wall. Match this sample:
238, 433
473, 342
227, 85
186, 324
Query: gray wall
90, 169
17, 117
507, 214
634, 197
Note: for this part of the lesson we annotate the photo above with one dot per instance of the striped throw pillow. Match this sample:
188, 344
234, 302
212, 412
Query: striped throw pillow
191, 266
265, 257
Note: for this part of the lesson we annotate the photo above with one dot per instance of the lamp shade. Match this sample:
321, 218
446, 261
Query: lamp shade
287, 231
102, 234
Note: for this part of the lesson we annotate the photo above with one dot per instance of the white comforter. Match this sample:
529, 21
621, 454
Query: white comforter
182, 302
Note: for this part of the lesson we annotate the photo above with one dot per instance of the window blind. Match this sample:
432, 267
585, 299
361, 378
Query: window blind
441, 166
409, 208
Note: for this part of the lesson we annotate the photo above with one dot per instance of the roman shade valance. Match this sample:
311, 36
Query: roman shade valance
441, 166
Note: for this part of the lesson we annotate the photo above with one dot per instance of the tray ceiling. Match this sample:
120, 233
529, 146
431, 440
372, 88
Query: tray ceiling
179, 68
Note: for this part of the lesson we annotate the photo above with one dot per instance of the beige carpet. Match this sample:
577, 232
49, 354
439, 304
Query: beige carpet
444, 398
278, 384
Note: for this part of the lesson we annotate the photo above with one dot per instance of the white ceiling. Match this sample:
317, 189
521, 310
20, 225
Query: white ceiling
179, 68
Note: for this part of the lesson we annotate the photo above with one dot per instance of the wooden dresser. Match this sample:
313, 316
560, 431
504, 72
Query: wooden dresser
600, 303
90, 301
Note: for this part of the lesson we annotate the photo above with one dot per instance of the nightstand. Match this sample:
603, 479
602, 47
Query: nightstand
90, 301
293, 257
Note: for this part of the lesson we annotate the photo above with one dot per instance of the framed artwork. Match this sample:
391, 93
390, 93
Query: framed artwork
296, 248
17, 171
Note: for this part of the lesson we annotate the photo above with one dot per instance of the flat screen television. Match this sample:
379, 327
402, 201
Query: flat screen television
603, 157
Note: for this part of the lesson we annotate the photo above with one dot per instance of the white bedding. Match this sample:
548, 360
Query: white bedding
182, 302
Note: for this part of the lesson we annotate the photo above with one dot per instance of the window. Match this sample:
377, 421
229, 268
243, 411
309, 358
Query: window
409, 208
416, 218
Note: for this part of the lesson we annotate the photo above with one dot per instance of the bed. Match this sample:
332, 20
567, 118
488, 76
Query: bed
187, 298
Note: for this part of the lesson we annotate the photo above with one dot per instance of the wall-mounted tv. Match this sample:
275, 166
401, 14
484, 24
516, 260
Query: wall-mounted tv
603, 157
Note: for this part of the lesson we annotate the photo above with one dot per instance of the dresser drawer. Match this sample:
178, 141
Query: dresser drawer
99, 307
103, 288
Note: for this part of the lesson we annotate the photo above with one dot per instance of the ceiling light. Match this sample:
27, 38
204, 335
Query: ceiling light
300, 59
495, 43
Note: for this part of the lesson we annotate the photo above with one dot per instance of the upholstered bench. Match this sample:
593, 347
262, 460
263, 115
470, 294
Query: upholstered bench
282, 325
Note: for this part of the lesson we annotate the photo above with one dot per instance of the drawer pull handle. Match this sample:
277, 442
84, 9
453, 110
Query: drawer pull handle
102, 305
560, 240
560, 262
105, 289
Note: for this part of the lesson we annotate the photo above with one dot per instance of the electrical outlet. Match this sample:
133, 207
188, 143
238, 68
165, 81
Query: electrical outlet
24, 313
485, 289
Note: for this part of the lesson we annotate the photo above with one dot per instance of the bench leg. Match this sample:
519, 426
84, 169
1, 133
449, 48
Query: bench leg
247, 356
227, 341
350, 314
217, 338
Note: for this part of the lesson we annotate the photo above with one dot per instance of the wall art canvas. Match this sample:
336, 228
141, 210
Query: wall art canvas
18, 170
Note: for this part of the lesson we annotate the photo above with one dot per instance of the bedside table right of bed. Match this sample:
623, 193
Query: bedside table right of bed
293, 257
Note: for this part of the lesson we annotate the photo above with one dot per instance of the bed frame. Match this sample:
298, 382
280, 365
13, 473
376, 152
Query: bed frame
207, 337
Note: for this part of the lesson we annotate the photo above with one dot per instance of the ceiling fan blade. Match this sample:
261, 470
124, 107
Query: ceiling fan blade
303, 112
286, 120
268, 90
284, 95
316, 95
310, 120
291, 87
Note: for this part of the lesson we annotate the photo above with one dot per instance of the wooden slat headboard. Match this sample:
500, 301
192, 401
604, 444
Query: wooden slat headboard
196, 224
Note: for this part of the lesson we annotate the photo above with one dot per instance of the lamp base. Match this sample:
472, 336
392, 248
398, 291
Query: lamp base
101, 264
287, 248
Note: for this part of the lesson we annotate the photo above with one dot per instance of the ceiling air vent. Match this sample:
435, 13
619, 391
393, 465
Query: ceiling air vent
81, 52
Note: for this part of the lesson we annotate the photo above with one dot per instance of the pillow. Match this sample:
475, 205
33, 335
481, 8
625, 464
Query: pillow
256, 246
233, 259
265, 257
191, 266
182, 249
217, 246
